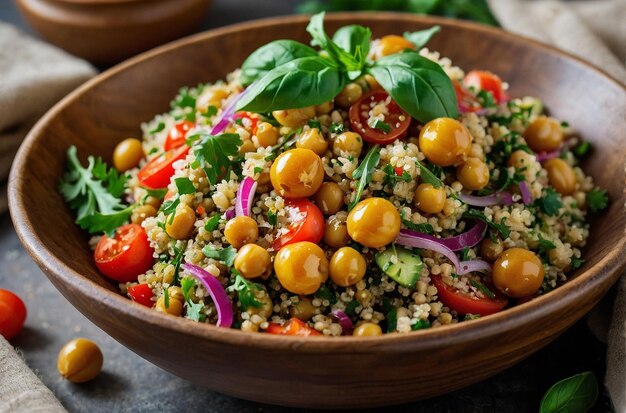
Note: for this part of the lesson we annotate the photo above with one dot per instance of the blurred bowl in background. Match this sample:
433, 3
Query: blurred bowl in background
108, 31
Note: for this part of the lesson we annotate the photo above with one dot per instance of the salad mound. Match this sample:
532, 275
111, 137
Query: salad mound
356, 186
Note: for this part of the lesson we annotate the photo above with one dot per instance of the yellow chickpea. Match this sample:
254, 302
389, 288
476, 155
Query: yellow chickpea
267, 134
294, 117
336, 233
324, 108
253, 261
473, 174
349, 94
348, 143
518, 272
303, 310
301, 267
490, 250
297, 173
561, 176
142, 212
127, 154
429, 199
544, 134
347, 267
240, 231
374, 222
329, 198
247, 146
174, 307
445, 142
367, 329
312, 139
392, 44
182, 224
80, 360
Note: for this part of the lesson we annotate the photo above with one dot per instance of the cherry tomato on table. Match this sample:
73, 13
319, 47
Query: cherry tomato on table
12, 314
156, 174
141, 293
309, 228
293, 327
484, 80
176, 136
126, 255
465, 304
397, 120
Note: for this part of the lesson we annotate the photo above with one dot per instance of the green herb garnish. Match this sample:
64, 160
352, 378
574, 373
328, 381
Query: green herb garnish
573, 394
213, 153
482, 288
226, 255
597, 199
550, 202
364, 173
212, 223
392, 320
421, 37
428, 176
500, 228
376, 123
193, 309
245, 291
420, 324
184, 186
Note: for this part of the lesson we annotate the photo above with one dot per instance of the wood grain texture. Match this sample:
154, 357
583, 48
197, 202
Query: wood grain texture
108, 31
321, 372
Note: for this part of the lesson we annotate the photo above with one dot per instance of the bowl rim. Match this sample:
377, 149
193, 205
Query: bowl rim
608, 267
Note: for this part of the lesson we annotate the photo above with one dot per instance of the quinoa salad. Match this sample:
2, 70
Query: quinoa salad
356, 186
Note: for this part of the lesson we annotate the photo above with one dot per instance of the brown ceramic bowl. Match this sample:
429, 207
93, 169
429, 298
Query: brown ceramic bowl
320, 372
109, 31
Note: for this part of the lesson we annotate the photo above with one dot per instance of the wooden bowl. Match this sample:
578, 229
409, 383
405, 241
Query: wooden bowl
320, 372
109, 31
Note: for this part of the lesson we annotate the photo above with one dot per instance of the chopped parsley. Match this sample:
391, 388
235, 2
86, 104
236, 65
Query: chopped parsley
423, 228
245, 291
212, 223
392, 320
226, 255
272, 218
314, 123
465, 254
337, 128
257, 170
420, 324
482, 288
392, 177
428, 176
597, 199
156, 193
486, 99
176, 262
500, 228
193, 309
376, 123
324, 293
351, 308
550, 202
94, 193
213, 153
577, 263
364, 173
185, 186
544, 245
166, 298
582, 149
158, 128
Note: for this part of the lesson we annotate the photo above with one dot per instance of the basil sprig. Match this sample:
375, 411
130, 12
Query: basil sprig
285, 74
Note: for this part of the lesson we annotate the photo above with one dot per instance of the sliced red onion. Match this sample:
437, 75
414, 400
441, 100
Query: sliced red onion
245, 195
217, 292
344, 321
546, 156
457, 243
229, 214
227, 114
527, 197
497, 198
475, 266
419, 241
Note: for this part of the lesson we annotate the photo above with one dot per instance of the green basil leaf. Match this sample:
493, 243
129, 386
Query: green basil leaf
302, 82
335, 52
574, 394
355, 40
418, 85
421, 37
270, 56
364, 173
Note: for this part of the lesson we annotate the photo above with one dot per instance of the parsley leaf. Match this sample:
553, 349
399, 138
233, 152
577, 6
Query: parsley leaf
176, 262
423, 228
245, 290
157, 193
544, 246
376, 123
550, 203
272, 218
213, 153
364, 173
337, 128
324, 293
482, 288
392, 177
577, 263
597, 199
582, 149
193, 309
185, 186
392, 320
158, 128
226, 255
94, 193
314, 123
501, 228
212, 223
420, 324
427, 176
487, 99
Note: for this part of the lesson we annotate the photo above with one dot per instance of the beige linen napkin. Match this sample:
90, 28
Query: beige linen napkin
595, 31
33, 76
20, 389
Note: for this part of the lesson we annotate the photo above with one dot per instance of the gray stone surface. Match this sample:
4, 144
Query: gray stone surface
129, 383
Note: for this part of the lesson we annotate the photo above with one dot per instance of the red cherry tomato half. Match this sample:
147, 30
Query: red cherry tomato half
293, 327
156, 174
465, 100
176, 136
465, 304
396, 120
309, 228
12, 314
483, 80
253, 119
141, 293
126, 255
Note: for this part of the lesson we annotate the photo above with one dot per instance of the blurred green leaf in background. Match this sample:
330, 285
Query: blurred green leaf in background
476, 10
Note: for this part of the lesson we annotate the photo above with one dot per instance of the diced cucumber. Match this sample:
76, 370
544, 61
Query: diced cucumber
402, 265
